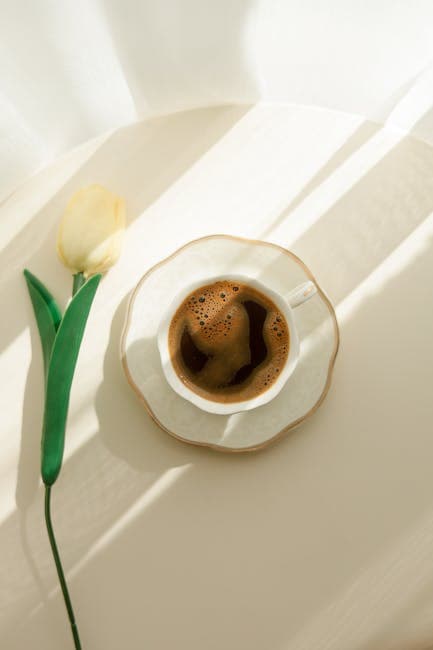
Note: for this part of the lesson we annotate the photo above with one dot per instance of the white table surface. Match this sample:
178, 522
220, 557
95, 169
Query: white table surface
323, 541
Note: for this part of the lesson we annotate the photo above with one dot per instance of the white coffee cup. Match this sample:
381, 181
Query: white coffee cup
286, 304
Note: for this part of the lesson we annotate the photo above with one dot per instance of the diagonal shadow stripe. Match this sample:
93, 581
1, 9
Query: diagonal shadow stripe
362, 134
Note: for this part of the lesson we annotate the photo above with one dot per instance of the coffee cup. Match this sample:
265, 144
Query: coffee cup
285, 303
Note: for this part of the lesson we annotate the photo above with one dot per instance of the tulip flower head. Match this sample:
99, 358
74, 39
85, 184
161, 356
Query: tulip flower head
90, 235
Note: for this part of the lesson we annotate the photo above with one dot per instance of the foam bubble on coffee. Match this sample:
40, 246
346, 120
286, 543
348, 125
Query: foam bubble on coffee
228, 341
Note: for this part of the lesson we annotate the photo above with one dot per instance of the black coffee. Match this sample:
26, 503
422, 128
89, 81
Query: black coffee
228, 341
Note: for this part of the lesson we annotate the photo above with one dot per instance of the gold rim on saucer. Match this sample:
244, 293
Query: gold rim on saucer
292, 424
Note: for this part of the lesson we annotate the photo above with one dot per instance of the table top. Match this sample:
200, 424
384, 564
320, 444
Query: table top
325, 539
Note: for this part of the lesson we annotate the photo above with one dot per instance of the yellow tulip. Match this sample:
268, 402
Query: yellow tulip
91, 231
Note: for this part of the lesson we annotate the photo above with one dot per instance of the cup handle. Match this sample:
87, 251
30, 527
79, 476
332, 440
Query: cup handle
301, 293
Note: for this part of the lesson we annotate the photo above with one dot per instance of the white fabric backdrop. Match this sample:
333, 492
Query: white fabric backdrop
325, 541
72, 70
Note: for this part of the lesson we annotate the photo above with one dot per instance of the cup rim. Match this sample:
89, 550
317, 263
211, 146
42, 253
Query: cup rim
213, 406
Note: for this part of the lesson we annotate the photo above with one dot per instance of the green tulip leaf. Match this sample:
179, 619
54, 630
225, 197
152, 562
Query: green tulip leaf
47, 314
61, 369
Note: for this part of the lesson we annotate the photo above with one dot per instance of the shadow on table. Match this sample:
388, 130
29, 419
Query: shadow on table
217, 523
161, 150
363, 134
381, 208
158, 150
233, 534
92, 475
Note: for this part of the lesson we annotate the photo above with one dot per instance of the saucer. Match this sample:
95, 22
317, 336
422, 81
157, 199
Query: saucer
273, 266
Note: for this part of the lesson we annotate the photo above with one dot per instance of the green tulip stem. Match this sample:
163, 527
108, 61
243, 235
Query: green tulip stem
59, 568
78, 282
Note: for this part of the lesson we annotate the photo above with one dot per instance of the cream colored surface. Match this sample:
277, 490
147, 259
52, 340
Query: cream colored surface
323, 541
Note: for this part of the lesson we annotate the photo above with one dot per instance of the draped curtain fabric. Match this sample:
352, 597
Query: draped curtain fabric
70, 71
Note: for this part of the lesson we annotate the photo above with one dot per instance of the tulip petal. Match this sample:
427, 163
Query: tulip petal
90, 233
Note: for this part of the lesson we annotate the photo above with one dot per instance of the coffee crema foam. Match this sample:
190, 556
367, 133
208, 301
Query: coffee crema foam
228, 341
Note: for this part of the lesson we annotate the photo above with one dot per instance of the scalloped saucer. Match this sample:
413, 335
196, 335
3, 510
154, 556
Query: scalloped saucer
278, 269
